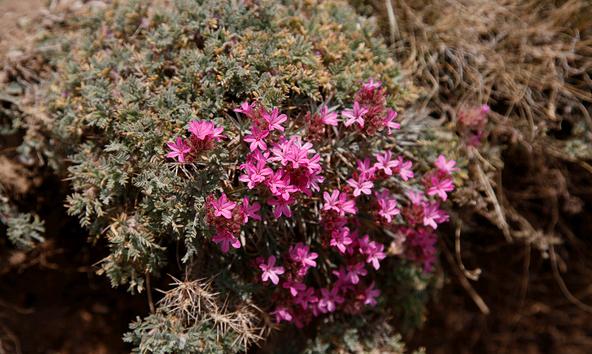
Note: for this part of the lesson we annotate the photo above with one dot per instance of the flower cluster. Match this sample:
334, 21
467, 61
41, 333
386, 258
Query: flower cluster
343, 213
203, 136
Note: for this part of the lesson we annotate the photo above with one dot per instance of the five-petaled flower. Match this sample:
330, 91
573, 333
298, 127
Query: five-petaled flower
179, 149
223, 207
270, 271
354, 115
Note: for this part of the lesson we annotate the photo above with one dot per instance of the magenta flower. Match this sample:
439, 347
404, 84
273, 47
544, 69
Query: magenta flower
387, 206
299, 253
432, 215
203, 130
360, 186
374, 252
328, 118
179, 149
389, 121
329, 300
281, 207
225, 239
294, 287
331, 201
446, 166
223, 207
440, 186
405, 169
282, 314
355, 115
339, 202
257, 138
295, 153
274, 120
306, 298
256, 171
415, 197
246, 109
371, 84
341, 239
370, 295
279, 185
366, 169
385, 163
354, 272
250, 211
270, 271
347, 205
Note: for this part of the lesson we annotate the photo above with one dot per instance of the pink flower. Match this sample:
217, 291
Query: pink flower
274, 120
387, 206
446, 166
179, 149
339, 203
294, 287
371, 84
360, 186
370, 295
203, 130
365, 169
250, 210
281, 207
306, 298
246, 109
354, 272
256, 138
329, 300
270, 271
440, 186
223, 207
389, 121
415, 197
256, 173
328, 118
355, 115
374, 252
300, 254
385, 163
279, 185
226, 239
282, 314
340, 239
294, 152
405, 169
331, 201
432, 215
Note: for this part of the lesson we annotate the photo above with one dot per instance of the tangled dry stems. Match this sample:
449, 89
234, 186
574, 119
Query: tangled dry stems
530, 60
195, 301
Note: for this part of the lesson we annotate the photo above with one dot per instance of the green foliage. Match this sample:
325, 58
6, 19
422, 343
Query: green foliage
24, 230
356, 338
190, 319
130, 77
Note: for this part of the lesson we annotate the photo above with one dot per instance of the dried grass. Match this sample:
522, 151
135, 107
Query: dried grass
531, 61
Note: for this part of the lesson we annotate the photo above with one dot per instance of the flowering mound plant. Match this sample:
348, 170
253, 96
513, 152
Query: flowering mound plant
317, 201
307, 203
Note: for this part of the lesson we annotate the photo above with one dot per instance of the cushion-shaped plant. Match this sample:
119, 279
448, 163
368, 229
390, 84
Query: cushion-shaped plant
254, 144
